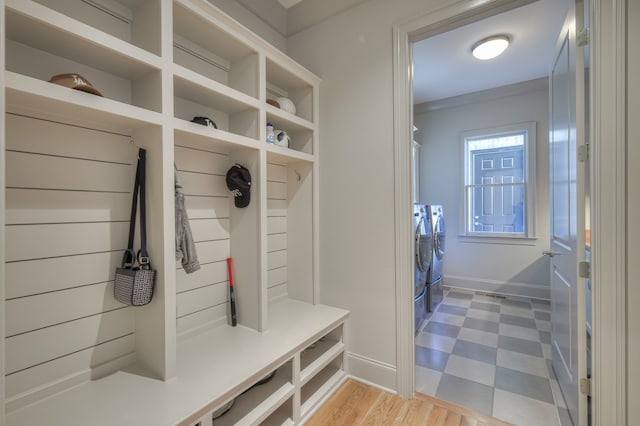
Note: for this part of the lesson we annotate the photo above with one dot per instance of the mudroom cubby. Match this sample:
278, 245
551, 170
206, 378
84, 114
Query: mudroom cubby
133, 21
38, 35
301, 132
204, 45
282, 82
315, 390
220, 230
231, 112
257, 403
290, 225
70, 162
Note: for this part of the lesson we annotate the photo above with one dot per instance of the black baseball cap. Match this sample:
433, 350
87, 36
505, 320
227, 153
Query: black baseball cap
205, 121
239, 183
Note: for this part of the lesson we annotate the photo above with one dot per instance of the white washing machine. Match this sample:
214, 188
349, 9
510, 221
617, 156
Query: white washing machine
423, 243
434, 277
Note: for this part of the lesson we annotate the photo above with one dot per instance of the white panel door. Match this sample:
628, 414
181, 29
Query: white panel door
567, 245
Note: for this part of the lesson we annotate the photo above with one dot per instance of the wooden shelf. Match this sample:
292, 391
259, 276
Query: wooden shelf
190, 22
291, 123
281, 155
280, 417
321, 385
193, 86
45, 29
30, 95
198, 135
315, 358
203, 45
288, 80
259, 402
231, 110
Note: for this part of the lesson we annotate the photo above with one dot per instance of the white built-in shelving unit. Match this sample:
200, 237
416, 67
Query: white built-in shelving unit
74, 355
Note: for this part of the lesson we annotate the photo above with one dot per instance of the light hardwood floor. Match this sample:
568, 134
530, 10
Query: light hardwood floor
358, 404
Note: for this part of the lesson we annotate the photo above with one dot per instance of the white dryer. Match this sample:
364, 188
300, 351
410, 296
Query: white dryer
434, 277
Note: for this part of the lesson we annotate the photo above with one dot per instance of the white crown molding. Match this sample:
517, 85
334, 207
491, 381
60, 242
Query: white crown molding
483, 95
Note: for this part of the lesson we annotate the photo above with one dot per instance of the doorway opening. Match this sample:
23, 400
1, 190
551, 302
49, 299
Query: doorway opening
488, 344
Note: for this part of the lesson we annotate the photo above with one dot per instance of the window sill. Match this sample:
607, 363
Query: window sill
498, 239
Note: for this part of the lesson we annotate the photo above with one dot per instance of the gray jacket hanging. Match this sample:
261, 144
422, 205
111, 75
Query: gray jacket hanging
185, 246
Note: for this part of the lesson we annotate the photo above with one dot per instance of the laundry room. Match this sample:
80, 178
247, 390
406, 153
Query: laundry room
500, 261
481, 136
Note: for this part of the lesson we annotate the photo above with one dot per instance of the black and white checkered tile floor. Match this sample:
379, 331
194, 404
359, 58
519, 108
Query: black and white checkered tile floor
492, 355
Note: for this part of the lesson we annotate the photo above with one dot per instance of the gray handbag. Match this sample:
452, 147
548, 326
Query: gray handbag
133, 284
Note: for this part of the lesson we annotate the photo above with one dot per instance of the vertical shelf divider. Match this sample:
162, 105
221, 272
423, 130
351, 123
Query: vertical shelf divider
246, 246
315, 208
168, 160
154, 325
263, 294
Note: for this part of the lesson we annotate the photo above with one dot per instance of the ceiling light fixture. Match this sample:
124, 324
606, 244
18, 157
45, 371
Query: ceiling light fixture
490, 47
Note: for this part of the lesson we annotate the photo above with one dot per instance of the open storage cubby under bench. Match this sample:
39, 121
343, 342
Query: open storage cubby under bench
206, 379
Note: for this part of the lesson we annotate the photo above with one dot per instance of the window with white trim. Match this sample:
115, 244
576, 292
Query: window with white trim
499, 176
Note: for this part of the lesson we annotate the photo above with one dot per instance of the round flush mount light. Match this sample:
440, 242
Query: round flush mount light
490, 47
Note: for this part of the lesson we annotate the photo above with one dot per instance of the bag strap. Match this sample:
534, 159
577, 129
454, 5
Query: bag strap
129, 256
143, 256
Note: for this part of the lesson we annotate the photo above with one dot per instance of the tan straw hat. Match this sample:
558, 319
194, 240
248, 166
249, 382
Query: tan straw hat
74, 81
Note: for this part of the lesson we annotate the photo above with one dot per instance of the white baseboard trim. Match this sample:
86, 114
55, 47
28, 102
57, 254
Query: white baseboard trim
375, 385
507, 288
372, 372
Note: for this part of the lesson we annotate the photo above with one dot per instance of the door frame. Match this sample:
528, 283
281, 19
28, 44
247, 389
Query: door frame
608, 230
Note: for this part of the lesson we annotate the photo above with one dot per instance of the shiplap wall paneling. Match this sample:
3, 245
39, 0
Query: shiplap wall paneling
300, 234
202, 295
276, 231
300, 231
68, 195
246, 232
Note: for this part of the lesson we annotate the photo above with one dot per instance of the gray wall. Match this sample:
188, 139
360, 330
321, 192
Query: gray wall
352, 53
511, 267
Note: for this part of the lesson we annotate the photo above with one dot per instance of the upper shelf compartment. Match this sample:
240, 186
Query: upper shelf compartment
38, 35
230, 110
134, 21
283, 83
201, 46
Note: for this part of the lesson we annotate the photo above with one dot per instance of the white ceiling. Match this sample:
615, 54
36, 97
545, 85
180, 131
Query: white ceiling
443, 66
288, 3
